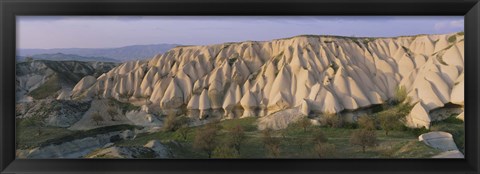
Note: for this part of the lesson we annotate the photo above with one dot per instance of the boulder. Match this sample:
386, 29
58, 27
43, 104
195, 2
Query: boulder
439, 140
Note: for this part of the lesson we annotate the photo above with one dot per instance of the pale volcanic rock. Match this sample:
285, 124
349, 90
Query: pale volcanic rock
457, 96
439, 140
249, 103
319, 74
84, 84
461, 116
419, 116
173, 97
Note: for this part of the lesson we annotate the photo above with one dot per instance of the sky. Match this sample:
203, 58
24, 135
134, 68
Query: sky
117, 31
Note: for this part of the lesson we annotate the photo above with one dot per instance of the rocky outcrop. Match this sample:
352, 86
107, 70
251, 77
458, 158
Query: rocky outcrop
41, 79
442, 141
74, 149
58, 113
153, 149
123, 152
319, 74
419, 116
439, 140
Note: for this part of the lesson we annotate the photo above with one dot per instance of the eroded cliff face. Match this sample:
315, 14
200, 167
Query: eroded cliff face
317, 74
40, 79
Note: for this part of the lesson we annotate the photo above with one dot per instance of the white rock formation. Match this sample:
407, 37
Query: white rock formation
321, 73
158, 147
442, 141
279, 120
419, 116
439, 140
72, 149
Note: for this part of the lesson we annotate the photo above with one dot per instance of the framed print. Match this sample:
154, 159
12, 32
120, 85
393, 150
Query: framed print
248, 87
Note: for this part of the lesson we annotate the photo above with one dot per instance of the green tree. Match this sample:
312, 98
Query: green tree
305, 123
205, 138
225, 151
363, 138
366, 122
236, 136
271, 143
321, 146
389, 122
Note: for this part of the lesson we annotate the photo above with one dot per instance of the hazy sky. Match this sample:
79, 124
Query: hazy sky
116, 31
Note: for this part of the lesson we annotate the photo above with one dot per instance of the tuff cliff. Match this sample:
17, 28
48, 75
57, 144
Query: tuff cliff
316, 74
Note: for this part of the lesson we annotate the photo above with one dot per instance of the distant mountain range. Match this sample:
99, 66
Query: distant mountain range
122, 54
66, 57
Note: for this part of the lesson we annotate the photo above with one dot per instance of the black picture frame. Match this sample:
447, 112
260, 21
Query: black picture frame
11, 8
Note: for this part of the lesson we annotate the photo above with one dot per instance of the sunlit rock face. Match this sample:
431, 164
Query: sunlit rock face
325, 74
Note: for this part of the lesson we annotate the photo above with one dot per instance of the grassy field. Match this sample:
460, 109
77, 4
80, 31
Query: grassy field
32, 133
295, 142
399, 144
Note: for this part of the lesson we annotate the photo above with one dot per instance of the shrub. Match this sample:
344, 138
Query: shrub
97, 118
305, 123
319, 137
183, 131
299, 141
400, 95
363, 138
324, 150
205, 139
389, 122
415, 131
236, 135
271, 143
333, 120
173, 123
452, 38
366, 122
225, 151
112, 112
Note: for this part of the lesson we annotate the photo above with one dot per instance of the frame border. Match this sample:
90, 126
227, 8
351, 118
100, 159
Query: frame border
11, 8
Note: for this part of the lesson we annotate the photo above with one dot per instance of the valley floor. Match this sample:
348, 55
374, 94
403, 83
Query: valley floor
294, 141
298, 144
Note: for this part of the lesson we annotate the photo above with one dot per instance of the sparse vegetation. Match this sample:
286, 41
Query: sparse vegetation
364, 138
48, 89
366, 122
112, 112
305, 123
225, 151
184, 131
333, 120
125, 107
324, 150
452, 39
399, 143
271, 143
389, 122
236, 137
206, 138
97, 118
400, 95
